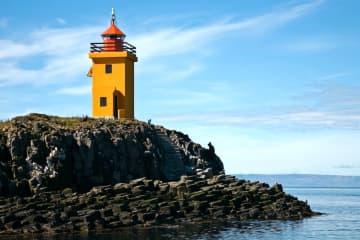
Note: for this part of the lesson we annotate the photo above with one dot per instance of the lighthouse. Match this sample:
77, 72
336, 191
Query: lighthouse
112, 73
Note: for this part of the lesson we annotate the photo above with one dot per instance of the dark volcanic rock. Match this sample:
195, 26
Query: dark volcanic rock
140, 203
55, 152
70, 174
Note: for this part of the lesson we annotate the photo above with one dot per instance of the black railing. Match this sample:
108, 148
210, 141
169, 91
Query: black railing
109, 47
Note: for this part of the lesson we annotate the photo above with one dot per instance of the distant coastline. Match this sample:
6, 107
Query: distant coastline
305, 180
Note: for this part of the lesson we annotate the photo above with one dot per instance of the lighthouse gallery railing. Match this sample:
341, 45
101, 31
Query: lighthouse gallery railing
106, 47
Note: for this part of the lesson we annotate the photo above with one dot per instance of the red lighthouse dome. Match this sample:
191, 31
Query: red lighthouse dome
113, 37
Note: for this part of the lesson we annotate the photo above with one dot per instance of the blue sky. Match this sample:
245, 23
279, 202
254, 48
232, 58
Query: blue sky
274, 85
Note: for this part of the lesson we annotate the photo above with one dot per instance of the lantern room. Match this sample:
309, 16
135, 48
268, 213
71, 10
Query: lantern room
113, 37
112, 74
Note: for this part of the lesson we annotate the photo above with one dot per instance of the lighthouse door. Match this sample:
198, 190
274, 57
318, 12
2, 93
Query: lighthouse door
116, 107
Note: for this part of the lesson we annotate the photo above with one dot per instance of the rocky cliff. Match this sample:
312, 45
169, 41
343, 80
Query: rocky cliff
46, 152
80, 174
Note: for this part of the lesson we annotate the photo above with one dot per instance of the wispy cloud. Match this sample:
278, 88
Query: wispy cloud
348, 166
64, 49
64, 52
173, 41
334, 76
337, 96
182, 41
286, 120
325, 105
50, 42
60, 21
80, 90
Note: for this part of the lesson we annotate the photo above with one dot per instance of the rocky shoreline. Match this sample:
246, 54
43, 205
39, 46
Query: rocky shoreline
145, 202
61, 175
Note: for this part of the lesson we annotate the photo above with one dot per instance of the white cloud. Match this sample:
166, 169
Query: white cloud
301, 154
325, 105
348, 166
80, 90
15, 50
342, 96
334, 76
177, 41
173, 41
61, 21
65, 49
286, 120
64, 68
65, 52
246, 150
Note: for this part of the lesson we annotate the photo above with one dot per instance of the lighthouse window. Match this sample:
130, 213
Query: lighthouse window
102, 101
108, 68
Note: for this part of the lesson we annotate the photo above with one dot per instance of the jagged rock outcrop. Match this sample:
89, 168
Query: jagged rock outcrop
45, 152
80, 174
147, 202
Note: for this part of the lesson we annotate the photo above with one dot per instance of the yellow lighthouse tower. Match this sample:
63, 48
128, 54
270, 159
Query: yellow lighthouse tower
112, 74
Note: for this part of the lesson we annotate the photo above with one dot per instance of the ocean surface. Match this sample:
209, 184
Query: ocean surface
341, 220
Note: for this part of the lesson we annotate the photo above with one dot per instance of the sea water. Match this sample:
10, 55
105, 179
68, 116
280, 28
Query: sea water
341, 220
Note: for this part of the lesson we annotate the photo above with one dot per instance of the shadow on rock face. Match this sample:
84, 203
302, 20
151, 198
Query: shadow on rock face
39, 152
